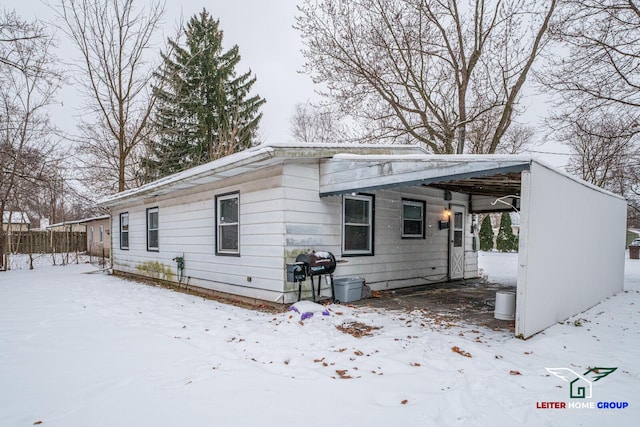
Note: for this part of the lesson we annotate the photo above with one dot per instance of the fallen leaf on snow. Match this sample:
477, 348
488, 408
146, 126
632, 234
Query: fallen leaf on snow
343, 374
404, 402
458, 350
512, 372
357, 329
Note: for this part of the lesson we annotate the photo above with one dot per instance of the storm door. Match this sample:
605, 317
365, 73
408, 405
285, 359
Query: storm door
456, 242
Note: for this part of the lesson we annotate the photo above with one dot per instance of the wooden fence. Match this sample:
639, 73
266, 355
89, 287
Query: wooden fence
42, 242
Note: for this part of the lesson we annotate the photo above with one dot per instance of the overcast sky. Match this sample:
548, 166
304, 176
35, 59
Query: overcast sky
269, 47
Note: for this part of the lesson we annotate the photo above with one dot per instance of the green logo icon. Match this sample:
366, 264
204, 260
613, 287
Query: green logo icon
581, 386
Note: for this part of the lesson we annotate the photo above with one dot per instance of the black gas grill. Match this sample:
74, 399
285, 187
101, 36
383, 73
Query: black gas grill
310, 265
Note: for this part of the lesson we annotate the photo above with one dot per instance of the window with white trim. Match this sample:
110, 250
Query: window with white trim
124, 230
101, 234
357, 224
228, 224
413, 219
153, 225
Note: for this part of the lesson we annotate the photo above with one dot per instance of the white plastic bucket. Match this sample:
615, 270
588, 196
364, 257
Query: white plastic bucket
505, 305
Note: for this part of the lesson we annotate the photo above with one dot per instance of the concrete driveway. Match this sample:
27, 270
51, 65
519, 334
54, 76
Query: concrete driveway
469, 301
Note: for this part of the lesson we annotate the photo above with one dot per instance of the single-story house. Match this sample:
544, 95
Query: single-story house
15, 222
392, 214
98, 235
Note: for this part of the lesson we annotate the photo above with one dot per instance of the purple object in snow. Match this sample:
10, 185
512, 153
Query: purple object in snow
293, 308
325, 313
306, 315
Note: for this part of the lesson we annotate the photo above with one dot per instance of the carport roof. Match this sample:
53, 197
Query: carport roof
490, 175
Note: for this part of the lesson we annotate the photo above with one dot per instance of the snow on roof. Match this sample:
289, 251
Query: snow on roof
251, 159
269, 154
71, 222
94, 218
15, 218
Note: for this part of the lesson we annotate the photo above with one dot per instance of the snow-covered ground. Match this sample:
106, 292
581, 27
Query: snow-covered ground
82, 349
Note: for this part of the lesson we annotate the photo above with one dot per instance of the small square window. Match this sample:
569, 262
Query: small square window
413, 219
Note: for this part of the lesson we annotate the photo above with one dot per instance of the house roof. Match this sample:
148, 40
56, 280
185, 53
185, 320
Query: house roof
95, 218
249, 160
15, 218
346, 168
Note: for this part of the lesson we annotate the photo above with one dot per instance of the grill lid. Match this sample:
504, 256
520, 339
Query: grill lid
318, 263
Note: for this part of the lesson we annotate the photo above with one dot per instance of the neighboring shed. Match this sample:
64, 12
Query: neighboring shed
396, 215
98, 235
68, 226
14, 222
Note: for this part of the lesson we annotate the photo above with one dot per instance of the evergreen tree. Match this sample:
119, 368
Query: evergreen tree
506, 241
204, 110
486, 234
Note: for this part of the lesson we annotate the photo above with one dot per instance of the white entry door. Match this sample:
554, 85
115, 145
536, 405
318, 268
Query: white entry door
456, 242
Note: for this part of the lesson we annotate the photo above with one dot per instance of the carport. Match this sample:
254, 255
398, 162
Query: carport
572, 234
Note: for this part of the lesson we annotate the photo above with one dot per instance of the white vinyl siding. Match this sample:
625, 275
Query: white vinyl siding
188, 228
280, 216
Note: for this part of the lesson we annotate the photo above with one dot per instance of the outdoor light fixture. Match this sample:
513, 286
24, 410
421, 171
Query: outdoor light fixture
444, 224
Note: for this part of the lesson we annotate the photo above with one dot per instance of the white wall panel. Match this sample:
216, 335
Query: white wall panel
572, 240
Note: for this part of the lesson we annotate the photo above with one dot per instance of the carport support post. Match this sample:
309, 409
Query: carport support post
523, 253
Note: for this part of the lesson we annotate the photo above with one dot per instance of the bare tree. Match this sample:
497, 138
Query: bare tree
112, 38
28, 82
311, 123
606, 154
517, 138
410, 68
593, 76
596, 67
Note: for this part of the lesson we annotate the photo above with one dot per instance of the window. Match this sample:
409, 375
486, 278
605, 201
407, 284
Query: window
124, 230
101, 234
152, 230
413, 219
228, 224
91, 235
457, 229
357, 231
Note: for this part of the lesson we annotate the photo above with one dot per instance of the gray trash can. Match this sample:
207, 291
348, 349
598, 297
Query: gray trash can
347, 289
